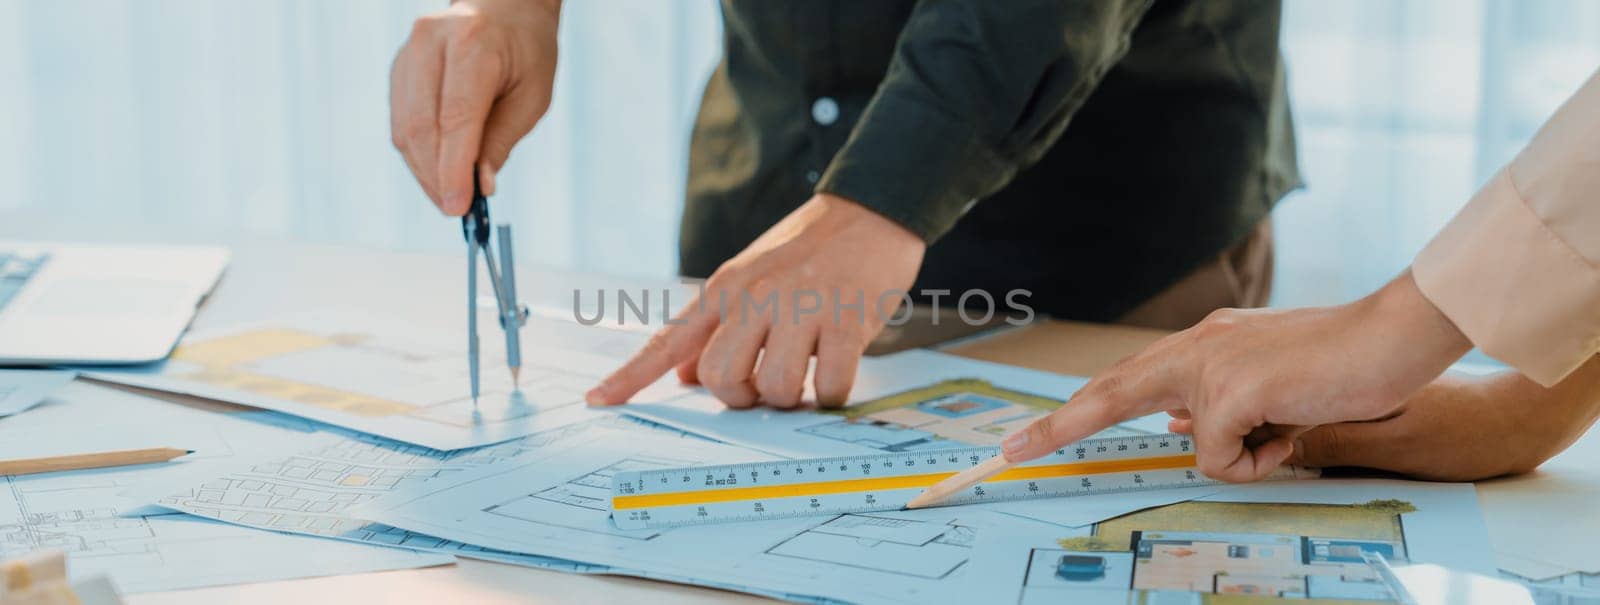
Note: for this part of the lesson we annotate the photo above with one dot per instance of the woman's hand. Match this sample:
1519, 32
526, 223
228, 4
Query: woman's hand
1247, 383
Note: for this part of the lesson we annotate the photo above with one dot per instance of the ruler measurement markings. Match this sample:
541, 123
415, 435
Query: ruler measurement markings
863, 483
767, 513
862, 465
924, 480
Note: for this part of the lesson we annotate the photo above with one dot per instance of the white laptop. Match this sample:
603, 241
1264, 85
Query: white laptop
93, 304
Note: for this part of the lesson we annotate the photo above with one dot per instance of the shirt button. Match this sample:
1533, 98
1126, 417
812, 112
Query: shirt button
825, 111
812, 176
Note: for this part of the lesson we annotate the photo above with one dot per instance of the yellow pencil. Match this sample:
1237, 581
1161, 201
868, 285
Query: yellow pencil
82, 461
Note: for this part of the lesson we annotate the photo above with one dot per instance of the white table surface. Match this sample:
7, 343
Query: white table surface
273, 277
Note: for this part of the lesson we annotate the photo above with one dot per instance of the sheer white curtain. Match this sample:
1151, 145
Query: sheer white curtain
271, 116
1403, 109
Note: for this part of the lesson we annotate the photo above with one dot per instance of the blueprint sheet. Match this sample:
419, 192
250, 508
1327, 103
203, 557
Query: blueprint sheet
1292, 540
557, 505
909, 401
1079, 511
312, 491
387, 378
99, 519
23, 389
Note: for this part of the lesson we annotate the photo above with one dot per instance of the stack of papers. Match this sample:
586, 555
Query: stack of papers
101, 518
359, 373
411, 475
557, 503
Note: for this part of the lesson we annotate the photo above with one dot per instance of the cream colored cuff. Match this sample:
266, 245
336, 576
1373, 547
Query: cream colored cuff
1517, 290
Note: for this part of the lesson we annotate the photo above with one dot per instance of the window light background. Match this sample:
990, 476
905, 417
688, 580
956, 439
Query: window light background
270, 118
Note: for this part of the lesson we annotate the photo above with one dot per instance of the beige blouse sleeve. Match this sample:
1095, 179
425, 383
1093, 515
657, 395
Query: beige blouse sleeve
1518, 269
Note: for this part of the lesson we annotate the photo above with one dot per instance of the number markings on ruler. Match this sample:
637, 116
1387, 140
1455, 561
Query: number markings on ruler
665, 497
871, 484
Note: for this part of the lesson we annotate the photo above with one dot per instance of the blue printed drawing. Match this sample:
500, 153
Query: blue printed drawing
886, 436
909, 547
961, 404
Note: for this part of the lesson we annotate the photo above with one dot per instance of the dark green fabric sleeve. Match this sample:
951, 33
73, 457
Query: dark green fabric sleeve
977, 90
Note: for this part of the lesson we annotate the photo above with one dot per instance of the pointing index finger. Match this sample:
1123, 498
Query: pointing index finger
1126, 391
666, 349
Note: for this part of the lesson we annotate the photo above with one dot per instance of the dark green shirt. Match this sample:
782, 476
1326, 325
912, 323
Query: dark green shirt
1091, 151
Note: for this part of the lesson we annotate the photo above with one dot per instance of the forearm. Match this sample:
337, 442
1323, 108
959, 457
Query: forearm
1418, 335
551, 6
1466, 428
1563, 411
976, 91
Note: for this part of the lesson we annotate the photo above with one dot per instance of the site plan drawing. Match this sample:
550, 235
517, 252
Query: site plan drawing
546, 504
884, 543
104, 525
1292, 541
894, 409
359, 373
312, 491
166, 552
1079, 511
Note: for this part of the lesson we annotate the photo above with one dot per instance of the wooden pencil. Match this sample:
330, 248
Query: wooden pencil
942, 490
75, 462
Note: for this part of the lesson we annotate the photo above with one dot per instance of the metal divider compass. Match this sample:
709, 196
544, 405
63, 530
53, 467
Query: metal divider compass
502, 277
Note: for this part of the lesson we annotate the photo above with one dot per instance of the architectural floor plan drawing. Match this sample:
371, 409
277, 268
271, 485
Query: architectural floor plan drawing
542, 503
96, 516
313, 491
167, 552
893, 409
582, 503
358, 373
952, 413
1306, 545
1306, 551
920, 549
